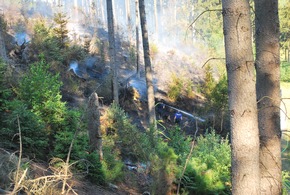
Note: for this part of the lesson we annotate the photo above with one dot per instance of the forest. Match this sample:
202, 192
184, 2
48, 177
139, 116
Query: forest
151, 97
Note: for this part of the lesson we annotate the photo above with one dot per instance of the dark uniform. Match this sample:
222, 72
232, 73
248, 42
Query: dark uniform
177, 117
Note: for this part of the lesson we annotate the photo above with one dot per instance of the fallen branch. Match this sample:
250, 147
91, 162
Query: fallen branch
18, 184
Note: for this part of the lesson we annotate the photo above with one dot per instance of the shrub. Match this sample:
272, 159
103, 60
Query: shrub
112, 164
217, 103
180, 143
209, 82
60, 30
95, 169
153, 50
175, 87
33, 133
5, 92
285, 72
63, 140
286, 182
74, 52
180, 86
208, 171
132, 55
124, 131
41, 92
163, 167
43, 42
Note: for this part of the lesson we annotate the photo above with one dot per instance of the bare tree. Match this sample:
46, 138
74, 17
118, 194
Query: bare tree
112, 50
268, 94
94, 129
156, 18
129, 21
148, 68
137, 39
242, 97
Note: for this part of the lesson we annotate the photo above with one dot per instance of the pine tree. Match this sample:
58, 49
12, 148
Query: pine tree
60, 30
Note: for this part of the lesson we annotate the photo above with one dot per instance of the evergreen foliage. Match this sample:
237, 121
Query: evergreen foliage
96, 173
208, 26
39, 109
48, 125
40, 89
219, 95
208, 171
179, 87
112, 164
209, 82
34, 137
74, 52
163, 167
60, 30
284, 15
175, 87
45, 43
121, 124
140, 147
286, 182
72, 125
285, 72
5, 92
180, 143
216, 93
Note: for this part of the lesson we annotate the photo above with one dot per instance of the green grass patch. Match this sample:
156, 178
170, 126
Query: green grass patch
285, 71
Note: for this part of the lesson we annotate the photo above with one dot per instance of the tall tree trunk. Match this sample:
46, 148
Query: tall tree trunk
268, 94
94, 129
156, 19
160, 20
242, 97
148, 68
112, 50
137, 39
114, 8
128, 16
2, 41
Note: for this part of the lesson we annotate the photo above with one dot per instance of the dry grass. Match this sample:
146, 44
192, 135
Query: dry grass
18, 174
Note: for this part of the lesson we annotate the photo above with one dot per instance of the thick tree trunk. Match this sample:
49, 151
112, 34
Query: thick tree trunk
242, 97
94, 129
148, 68
112, 50
268, 94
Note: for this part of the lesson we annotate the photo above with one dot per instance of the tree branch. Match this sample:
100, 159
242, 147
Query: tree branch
212, 59
208, 10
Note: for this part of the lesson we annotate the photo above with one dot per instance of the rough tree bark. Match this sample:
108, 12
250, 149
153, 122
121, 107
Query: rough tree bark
112, 50
268, 94
94, 129
242, 97
148, 68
